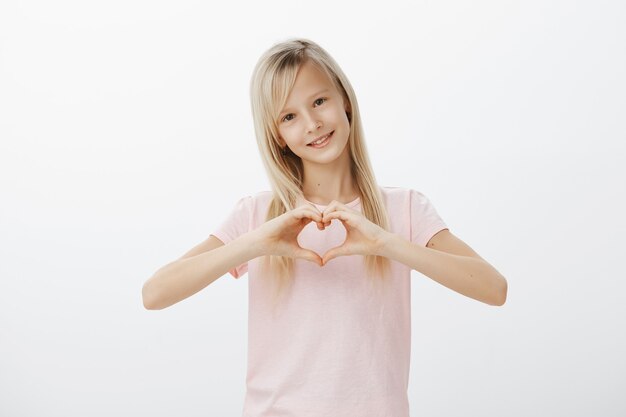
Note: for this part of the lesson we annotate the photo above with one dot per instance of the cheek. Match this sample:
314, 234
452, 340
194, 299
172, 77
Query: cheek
340, 115
289, 135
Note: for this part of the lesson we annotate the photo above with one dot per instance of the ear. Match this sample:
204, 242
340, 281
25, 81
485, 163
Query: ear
347, 109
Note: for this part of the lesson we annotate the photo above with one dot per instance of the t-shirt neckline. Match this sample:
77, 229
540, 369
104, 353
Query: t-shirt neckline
350, 204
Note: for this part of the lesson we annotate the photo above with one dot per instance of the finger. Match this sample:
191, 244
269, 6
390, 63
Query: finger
333, 253
308, 211
330, 208
314, 214
309, 255
303, 222
334, 207
317, 218
311, 215
341, 215
312, 206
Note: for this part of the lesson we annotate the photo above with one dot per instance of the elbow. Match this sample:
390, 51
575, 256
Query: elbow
150, 300
502, 293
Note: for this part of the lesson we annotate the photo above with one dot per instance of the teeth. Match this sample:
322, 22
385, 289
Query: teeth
317, 142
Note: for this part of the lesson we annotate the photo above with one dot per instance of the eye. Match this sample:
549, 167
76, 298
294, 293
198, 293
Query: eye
285, 119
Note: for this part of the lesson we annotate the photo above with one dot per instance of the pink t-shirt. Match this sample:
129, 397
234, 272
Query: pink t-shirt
336, 346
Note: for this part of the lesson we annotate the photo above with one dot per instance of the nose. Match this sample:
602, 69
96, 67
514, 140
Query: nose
313, 124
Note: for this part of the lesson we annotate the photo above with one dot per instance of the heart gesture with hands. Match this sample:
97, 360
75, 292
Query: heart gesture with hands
279, 236
362, 236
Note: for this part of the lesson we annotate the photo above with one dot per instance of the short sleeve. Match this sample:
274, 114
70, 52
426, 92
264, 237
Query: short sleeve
425, 221
236, 224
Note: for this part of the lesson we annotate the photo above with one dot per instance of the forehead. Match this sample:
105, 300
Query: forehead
310, 73
309, 80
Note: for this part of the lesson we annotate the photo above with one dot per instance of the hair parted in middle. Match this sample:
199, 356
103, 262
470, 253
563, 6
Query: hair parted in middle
272, 80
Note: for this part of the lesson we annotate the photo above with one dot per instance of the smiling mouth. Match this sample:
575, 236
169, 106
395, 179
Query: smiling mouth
321, 141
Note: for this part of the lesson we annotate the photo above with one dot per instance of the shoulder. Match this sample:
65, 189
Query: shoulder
255, 203
262, 199
394, 190
411, 194
260, 196
263, 194
398, 195
402, 199
251, 202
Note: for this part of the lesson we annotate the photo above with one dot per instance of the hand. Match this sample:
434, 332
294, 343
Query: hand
362, 236
279, 235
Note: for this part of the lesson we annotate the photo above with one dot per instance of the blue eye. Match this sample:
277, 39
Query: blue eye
284, 119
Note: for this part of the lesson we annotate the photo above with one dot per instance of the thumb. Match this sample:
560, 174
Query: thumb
333, 253
309, 255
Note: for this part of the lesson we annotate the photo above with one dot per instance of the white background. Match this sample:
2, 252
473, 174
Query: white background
126, 137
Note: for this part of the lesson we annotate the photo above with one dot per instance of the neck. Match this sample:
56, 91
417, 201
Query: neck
323, 183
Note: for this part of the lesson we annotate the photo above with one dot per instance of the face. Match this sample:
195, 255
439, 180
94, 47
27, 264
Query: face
314, 108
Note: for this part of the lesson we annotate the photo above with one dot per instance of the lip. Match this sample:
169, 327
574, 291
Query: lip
329, 133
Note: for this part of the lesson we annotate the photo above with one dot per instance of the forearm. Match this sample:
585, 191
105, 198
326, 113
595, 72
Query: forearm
185, 277
466, 275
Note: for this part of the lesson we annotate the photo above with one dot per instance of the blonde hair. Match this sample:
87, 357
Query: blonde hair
273, 78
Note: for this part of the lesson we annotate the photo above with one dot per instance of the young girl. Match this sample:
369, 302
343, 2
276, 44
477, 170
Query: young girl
329, 327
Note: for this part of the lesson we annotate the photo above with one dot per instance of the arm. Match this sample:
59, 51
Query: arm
197, 269
452, 264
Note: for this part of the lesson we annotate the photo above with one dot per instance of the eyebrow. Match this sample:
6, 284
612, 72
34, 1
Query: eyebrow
310, 97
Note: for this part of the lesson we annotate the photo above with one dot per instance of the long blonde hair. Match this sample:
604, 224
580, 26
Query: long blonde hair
273, 78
